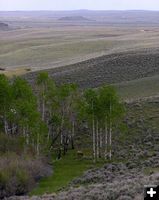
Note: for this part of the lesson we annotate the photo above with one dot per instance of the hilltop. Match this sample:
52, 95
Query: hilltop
74, 18
3, 26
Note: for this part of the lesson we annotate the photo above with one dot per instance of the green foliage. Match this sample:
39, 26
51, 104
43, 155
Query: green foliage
91, 98
4, 178
97, 103
42, 78
22, 90
103, 111
46, 124
5, 101
19, 114
46, 86
111, 107
39, 138
22, 179
5, 93
59, 108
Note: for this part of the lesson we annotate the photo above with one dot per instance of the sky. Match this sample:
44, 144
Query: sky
79, 4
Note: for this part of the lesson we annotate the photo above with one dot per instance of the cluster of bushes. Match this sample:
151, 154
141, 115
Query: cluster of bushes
19, 175
18, 171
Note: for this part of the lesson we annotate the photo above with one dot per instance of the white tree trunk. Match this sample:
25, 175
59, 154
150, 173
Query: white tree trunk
100, 142
27, 136
62, 123
110, 135
73, 128
94, 141
73, 133
24, 131
97, 142
38, 144
61, 137
43, 109
43, 102
5, 126
49, 132
106, 141
110, 143
13, 128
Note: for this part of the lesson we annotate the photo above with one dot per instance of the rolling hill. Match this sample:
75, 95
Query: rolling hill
74, 18
4, 26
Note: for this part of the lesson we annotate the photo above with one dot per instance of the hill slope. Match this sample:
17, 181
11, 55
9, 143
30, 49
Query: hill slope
4, 26
114, 68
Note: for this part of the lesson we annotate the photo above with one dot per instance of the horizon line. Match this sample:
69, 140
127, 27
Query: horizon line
47, 10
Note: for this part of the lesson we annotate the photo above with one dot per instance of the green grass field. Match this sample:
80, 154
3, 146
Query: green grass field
65, 170
137, 89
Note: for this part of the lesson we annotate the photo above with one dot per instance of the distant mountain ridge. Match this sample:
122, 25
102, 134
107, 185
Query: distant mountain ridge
122, 17
74, 18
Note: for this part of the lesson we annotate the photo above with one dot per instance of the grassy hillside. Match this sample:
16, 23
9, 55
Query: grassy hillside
135, 74
136, 89
60, 44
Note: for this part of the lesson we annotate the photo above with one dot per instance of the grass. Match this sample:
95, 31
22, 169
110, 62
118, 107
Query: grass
137, 89
46, 47
15, 72
65, 170
45, 55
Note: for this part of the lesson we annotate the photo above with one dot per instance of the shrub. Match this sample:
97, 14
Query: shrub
18, 175
19, 169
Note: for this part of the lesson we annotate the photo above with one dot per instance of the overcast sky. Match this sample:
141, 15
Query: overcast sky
79, 4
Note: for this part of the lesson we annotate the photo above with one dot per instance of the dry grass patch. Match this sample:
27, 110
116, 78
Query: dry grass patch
15, 71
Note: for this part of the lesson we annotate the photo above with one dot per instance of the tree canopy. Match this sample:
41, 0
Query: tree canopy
48, 116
